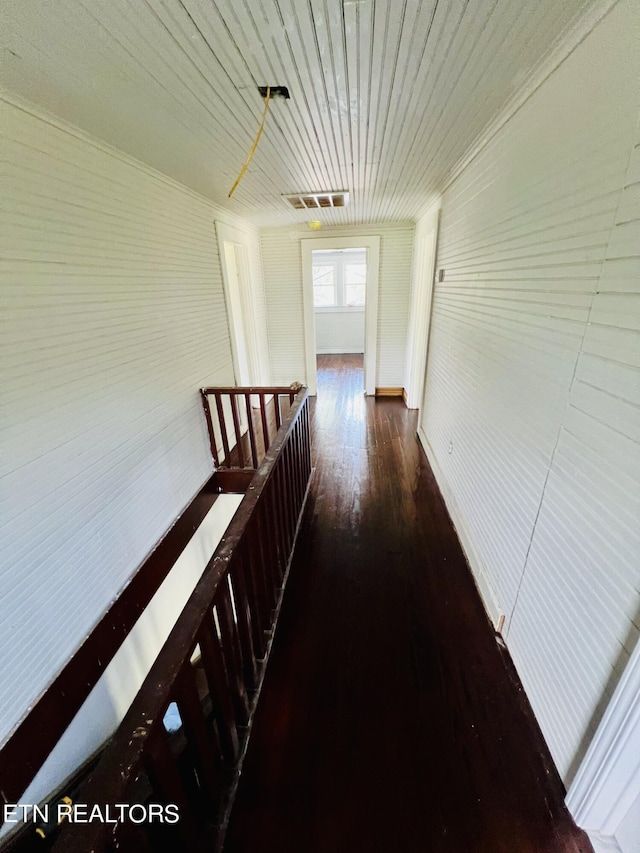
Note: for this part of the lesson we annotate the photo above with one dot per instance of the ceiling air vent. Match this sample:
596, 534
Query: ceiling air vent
313, 201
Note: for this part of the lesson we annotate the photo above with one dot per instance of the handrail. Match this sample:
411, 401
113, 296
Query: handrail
283, 390
229, 623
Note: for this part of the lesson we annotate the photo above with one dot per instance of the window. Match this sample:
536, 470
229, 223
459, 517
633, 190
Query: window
324, 285
339, 278
355, 278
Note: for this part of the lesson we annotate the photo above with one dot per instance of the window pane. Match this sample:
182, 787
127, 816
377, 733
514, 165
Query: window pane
323, 274
324, 284
355, 273
324, 295
354, 294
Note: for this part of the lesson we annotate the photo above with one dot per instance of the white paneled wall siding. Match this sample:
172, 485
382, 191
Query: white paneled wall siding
531, 409
282, 259
112, 287
340, 330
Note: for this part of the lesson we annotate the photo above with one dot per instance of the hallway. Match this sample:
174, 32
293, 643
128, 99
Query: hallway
389, 719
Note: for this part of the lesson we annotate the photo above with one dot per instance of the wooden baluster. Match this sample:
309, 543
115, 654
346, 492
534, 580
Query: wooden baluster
241, 598
198, 733
297, 468
252, 432
232, 652
273, 530
279, 512
265, 426
236, 426
263, 572
284, 497
288, 494
307, 430
166, 781
264, 544
278, 412
254, 594
297, 473
212, 437
261, 575
222, 423
295, 482
220, 690
301, 461
304, 451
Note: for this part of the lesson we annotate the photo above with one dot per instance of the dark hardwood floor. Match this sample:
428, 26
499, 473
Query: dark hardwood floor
390, 719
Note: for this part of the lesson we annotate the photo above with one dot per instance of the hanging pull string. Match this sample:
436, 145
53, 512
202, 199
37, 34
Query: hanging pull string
255, 144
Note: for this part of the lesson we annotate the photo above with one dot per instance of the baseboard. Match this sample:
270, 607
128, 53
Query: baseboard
340, 351
606, 787
389, 392
477, 567
604, 844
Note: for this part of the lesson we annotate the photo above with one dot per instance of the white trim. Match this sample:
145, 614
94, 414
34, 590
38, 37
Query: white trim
608, 780
246, 324
372, 245
487, 594
339, 309
604, 845
339, 351
424, 267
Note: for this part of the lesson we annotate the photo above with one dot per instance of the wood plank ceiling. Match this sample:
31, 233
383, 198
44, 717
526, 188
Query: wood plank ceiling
386, 95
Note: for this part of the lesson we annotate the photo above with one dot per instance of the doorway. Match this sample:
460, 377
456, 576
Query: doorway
236, 278
234, 261
339, 299
340, 285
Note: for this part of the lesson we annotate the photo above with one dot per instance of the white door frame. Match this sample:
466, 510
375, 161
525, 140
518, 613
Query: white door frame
424, 269
241, 321
372, 245
607, 784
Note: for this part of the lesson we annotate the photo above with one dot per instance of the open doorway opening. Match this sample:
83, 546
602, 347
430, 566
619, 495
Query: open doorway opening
339, 298
341, 302
236, 278
234, 263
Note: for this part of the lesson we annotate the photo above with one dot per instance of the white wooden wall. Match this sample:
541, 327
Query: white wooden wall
116, 317
282, 260
531, 410
340, 330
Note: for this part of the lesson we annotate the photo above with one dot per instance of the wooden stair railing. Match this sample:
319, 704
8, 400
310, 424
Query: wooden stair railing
211, 667
242, 422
